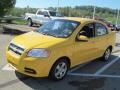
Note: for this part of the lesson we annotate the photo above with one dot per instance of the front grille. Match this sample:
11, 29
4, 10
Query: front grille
16, 49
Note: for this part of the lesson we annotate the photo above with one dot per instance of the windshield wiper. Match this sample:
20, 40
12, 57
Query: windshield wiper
51, 34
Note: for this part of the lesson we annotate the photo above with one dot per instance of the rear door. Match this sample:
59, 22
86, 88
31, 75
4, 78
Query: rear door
101, 39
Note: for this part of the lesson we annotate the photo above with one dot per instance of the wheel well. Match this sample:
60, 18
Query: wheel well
66, 58
29, 18
110, 47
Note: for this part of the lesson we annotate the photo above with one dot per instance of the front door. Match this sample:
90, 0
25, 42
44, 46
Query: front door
39, 17
85, 51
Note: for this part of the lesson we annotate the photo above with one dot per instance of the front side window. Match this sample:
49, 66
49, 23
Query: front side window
88, 30
100, 29
59, 28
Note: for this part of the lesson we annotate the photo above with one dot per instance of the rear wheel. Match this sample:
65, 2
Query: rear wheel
107, 54
59, 70
30, 23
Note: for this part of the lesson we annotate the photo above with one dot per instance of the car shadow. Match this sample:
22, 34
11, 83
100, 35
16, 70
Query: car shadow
41, 83
69, 83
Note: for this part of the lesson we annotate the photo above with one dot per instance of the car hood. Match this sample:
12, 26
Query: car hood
35, 39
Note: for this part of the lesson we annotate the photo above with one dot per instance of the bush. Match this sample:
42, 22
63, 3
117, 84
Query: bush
6, 6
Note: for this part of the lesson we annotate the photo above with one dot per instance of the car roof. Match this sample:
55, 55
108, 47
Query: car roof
45, 10
78, 19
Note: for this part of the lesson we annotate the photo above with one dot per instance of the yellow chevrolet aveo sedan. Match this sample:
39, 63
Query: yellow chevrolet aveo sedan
59, 45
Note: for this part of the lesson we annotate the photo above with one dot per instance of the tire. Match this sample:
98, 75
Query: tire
59, 70
30, 23
116, 29
107, 54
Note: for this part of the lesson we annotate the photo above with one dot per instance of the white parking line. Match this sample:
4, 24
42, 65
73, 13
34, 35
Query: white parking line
93, 75
107, 66
81, 74
73, 69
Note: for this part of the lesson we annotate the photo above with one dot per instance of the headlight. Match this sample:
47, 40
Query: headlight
38, 53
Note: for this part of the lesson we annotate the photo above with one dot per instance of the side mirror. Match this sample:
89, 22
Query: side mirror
82, 38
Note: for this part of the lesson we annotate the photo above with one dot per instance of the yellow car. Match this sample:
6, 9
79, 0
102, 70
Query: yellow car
59, 45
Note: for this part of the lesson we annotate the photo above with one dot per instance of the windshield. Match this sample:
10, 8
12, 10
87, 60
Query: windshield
58, 28
52, 13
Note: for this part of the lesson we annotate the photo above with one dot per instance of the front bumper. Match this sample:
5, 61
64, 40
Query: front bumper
35, 67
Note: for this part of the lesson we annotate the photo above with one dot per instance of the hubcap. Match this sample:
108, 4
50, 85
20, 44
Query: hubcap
60, 70
107, 54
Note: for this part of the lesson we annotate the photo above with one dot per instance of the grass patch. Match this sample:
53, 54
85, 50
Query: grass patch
19, 22
113, 20
13, 20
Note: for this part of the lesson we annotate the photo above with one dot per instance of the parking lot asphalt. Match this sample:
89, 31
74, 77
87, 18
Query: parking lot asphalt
96, 75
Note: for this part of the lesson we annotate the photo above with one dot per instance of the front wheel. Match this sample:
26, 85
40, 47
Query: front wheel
59, 70
107, 54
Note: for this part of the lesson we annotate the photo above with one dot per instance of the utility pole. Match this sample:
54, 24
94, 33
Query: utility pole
117, 17
27, 8
58, 6
94, 12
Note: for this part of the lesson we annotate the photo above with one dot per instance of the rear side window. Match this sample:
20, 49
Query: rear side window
45, 13
100, 29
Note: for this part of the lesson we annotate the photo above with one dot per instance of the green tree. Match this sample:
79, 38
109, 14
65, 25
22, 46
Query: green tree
6, 6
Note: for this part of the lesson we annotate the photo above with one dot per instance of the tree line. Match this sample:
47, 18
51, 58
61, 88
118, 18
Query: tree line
6, 6
77, 11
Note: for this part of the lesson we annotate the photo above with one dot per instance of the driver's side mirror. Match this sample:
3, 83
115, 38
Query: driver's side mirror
82, 38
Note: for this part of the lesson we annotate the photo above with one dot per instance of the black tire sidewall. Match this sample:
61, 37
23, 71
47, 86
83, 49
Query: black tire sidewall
30, 22
52, 72
105, 54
